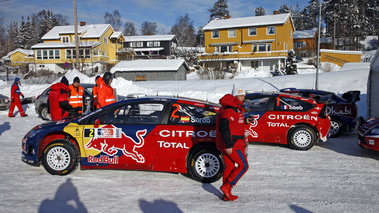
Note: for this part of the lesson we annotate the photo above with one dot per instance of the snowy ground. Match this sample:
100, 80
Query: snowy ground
336, 176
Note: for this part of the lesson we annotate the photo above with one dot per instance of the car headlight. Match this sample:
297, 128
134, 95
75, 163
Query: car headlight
6, 100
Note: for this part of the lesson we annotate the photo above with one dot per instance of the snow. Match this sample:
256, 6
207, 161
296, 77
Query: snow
335, 176
247, 21
148, 65
88, 31
302, 34
149, 38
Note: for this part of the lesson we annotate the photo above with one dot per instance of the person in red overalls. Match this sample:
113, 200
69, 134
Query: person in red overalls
58, 100
76, 97
105, 93
230, 139
15, 98
94, 94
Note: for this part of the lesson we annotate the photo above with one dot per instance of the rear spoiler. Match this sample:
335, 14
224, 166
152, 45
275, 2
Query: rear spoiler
351, 96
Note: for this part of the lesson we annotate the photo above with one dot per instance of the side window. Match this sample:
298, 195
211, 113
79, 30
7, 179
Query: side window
100, 116
290, 104
259, 104
136, 113
190, 114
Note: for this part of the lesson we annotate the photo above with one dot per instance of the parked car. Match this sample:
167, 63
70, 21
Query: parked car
151, 133
41, 101
286, 119
368, 134
342, 110
5, 102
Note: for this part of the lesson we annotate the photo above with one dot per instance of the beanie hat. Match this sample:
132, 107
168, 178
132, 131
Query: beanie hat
17, 79
76, 79
238, 90
64, 80
107, 77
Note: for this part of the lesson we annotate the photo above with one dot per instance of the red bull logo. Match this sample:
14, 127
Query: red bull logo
111, 145
254, 123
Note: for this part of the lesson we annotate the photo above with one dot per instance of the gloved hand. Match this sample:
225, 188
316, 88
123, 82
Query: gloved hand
12, 100
22, 96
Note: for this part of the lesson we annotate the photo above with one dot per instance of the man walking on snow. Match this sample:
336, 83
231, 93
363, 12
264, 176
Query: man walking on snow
15, 98
230, 137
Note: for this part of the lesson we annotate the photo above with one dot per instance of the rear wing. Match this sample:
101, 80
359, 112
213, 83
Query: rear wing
351, 96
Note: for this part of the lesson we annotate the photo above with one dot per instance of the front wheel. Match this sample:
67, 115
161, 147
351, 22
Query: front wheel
302, 138
335, 128
60, 157
205, 164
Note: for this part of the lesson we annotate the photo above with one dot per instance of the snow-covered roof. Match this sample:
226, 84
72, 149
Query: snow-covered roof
149, 65
50, 45
150, 38
247, 21
304, 34
87, 31
342, 51
117, 35
23, 51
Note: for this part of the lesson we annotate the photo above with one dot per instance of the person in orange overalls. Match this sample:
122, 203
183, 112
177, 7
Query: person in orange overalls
76, 97
105, 93
15, 99
94, 94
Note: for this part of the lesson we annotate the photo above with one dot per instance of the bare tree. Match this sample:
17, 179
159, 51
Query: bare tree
113, 19
184, 31
129, 29
149, 28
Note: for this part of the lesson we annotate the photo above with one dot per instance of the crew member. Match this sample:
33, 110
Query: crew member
76, 97
15, 99
105, 93
58, 100
94, 94
230, 138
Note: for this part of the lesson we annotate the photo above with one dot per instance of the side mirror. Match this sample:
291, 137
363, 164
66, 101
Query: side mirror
96, 124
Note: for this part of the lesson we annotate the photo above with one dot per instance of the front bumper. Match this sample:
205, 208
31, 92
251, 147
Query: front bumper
370, 144
29, 153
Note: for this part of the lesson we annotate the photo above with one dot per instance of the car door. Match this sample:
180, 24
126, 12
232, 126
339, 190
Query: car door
127, 136
258, 109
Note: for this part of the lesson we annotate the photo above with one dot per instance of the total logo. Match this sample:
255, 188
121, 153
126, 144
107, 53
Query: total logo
187, 133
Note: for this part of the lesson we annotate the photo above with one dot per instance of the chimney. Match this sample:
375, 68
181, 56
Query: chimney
226, 17
82, 23
276, 12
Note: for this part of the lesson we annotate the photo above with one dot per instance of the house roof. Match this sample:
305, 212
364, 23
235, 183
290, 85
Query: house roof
301, 34
117, 35
49, 45
149, 65
87, 31
248, 21
23, 51
149, 38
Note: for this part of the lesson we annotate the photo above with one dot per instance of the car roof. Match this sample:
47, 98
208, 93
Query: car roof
171, 98
320, 92
289, 95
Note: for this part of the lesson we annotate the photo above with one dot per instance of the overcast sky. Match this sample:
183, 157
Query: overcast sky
163, 12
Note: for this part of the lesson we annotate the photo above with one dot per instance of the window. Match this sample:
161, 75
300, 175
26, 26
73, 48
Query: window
254, 47
222, 49
254, 64
57, 54
215, 34
65, 39
105, 40
133, 44
140, 44
290, 33
51, 54
261, 47
189, 114
252, 31
44, 54
39, 54
87, 53
290, 104
150, 44
299, 44
271, 30
69, 54
95, 52
157, 43
268, 47
258, 103
232, 33
135, 113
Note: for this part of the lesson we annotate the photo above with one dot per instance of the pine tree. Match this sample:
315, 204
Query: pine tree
219, 10
21, 34
285, 9
260, 11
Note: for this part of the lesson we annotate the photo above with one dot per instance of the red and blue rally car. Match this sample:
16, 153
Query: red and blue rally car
368, 134
286, 119
151, 133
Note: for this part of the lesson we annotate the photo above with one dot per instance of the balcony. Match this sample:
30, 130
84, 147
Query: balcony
229, 56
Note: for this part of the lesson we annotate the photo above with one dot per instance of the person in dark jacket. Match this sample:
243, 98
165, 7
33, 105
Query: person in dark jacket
58, 102
15, 99
230, 138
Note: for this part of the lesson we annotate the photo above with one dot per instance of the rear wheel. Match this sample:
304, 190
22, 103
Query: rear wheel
335, 128
43, 112
60, 157
205, 164
301, 138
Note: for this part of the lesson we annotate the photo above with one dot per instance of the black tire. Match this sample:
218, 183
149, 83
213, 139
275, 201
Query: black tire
301, 138
43, 112
336, 127
60, 157
205, 164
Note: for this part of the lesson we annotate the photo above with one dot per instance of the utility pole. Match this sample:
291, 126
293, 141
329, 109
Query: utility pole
76, 37
318, 47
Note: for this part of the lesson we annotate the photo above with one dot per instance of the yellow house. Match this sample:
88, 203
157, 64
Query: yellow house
20, 57
340, 57
98, 46
258, 42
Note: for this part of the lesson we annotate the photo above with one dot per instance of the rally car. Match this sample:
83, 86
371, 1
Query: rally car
342, 110
368, 134
150, 133
286, 119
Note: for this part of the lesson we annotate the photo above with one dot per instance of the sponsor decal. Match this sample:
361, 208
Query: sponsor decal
187, 133
109, 142
292, 117
102, 132
371, 142
184, 119
174, 145
333, 111
271, 124
253, 124
205, 120
103, 159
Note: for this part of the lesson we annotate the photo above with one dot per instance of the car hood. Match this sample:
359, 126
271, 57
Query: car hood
371, 123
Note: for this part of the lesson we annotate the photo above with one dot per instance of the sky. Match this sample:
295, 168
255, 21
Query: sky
163, 12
